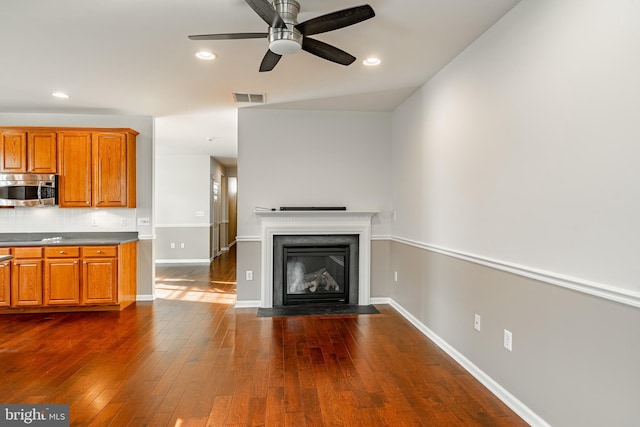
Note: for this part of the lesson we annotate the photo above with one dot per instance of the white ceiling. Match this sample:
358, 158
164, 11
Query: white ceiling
134, 57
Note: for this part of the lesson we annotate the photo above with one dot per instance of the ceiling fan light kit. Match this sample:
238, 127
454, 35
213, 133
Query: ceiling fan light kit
284, 41
286, 36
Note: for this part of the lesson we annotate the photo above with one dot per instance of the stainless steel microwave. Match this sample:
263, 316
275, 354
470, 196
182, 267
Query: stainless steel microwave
28, 189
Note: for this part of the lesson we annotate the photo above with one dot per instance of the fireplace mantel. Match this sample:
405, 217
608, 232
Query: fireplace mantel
311, 214
315, 222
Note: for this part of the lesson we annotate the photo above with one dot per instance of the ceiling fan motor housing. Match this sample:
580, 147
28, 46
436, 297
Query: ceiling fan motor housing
285, 41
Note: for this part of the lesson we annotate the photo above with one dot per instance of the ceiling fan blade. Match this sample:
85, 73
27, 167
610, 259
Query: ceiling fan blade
269, 61
335, 20
326, 51
232, 36
266, 11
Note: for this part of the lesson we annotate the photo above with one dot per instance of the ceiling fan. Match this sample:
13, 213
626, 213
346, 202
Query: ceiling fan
287, 36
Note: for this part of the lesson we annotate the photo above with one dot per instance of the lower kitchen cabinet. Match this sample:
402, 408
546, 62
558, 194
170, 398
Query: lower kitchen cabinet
62, 275
26, 277
99, 275
5, 280
68, 278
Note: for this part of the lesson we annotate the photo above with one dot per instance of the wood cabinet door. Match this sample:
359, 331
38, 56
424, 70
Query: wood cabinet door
99, 280
42, 152
26, 282
109, 170
74, 161
13, 149
62, 282
5, 284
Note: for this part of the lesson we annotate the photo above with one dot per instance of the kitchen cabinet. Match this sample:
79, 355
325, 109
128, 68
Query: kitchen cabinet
113, 164
99, 275
74, 181
28, 151
68, 278
26, 277
5, 279
62, 275
97, 169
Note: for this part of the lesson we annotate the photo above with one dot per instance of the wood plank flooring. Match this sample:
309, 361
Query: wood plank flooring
191, 359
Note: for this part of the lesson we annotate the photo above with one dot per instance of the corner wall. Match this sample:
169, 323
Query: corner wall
184, 207
307, 158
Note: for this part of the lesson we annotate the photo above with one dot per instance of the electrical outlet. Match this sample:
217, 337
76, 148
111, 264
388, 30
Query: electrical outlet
123, 221
144, 221
199, 213
94, 222
395, 276
248, 275
173, 245
508, 340
181, 245
476, 323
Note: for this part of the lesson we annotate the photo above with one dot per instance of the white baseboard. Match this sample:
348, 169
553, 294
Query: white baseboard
380, 300
248, 304
145, 297
500, 392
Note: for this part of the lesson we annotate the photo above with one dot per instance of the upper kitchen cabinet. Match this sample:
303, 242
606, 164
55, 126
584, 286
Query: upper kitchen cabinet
97, 168
114, 169
74, 180
26, 151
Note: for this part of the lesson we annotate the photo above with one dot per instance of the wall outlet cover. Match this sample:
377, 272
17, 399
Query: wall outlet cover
508, 340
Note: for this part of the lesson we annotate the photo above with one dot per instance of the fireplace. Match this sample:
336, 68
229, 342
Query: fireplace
315, 269
304, 224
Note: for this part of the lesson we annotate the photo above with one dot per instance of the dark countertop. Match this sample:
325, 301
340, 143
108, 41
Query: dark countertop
4, 258
67, 239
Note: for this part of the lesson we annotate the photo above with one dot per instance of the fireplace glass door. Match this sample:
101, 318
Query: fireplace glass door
316, 274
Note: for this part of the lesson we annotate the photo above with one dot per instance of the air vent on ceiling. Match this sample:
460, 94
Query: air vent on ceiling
251, 98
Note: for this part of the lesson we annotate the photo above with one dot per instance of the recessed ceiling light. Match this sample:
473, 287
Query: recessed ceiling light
371, 62
61, 95
207, 56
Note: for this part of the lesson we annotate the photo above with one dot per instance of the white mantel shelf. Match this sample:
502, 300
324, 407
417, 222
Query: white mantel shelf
315, 222
315, 214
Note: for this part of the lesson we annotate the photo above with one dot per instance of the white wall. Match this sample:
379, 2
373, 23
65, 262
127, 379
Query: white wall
524, 149
312, 158
183, 183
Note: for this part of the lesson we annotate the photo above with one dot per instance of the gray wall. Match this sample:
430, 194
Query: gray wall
518, 161
325, 158
575, 356
195, 240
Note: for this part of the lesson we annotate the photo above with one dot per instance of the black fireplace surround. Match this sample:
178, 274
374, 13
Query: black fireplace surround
315, 269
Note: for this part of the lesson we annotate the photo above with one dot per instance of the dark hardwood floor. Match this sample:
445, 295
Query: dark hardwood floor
191, 359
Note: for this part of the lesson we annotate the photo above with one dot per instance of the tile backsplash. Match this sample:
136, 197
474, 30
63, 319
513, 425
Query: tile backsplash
55, 219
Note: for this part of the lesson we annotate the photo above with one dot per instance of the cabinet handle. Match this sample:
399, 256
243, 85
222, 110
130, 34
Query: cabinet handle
99, 252
61, 252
